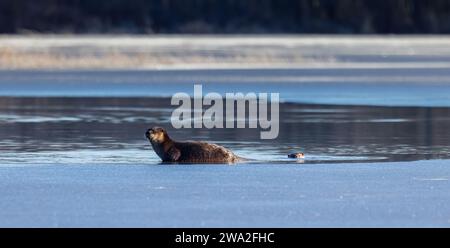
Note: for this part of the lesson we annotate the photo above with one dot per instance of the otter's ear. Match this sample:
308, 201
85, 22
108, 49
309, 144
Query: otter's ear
174, 153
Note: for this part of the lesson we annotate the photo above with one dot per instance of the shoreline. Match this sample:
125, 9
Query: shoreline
165, 52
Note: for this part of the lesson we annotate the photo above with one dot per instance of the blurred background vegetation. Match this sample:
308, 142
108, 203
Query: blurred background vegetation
225, 16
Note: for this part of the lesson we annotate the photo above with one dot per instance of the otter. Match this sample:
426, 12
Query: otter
187, 152
296, 155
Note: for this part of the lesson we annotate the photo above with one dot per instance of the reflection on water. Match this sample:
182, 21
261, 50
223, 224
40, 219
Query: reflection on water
111, 130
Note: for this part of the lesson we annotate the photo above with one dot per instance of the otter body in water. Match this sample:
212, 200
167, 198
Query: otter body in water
187, 152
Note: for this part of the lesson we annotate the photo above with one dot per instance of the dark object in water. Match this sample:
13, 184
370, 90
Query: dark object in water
296, 155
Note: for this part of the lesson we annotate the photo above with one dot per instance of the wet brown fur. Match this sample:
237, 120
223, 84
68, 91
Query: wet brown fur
187, 152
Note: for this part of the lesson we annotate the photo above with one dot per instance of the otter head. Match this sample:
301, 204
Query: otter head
162, 144
296, 155
157, 135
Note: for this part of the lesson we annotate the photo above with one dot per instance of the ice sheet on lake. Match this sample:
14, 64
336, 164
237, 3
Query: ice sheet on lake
404, 194
380, 87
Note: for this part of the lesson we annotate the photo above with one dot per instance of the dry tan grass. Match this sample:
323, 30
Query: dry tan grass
159, 52
81, 52
11, 58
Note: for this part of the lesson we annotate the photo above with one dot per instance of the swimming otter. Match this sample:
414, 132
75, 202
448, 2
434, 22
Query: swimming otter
187, 152
296, 155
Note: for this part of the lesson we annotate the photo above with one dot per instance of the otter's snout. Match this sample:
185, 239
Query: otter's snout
148, 133
156, 134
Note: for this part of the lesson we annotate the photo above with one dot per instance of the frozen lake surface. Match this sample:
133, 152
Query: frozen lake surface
371, 114
355, 86
396, 194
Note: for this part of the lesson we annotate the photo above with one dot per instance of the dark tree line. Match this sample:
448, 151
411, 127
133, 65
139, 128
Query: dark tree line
225, 16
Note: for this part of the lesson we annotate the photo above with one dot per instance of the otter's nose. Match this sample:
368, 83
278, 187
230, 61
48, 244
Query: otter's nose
149, 131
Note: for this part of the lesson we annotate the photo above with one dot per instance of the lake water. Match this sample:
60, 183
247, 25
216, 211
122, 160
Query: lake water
80, 130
